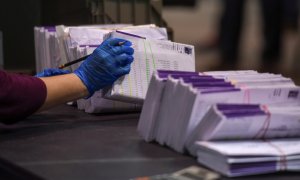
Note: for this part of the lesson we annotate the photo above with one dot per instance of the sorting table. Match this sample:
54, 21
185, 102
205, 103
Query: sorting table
65, 143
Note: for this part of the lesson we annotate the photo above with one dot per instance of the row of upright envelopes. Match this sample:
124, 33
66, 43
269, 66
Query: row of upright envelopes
61, 44
182, 108
47, 54
149, 55
55, 45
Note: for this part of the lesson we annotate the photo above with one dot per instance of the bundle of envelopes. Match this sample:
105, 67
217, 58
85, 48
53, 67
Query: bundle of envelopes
47, 53
182, 108
149, 54
249, 157
80, 41
243, 121
61, 44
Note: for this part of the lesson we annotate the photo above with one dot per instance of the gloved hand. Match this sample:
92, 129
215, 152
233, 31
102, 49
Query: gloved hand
106, 64
52, 72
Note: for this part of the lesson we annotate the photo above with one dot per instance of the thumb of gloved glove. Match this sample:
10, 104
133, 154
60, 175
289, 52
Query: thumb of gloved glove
52, 72
106, 64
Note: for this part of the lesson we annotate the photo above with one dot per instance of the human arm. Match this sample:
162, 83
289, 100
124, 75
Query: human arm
105, 65
20, 96
63, 88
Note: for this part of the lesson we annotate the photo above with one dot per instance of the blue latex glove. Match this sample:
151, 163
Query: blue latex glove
106, 64
52, 72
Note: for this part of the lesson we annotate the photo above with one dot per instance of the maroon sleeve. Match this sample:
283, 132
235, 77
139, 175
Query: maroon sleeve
20, 96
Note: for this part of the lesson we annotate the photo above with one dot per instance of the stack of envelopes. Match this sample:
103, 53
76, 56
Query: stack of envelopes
242, 121
149, 55
249, 157
74, 42
184, 107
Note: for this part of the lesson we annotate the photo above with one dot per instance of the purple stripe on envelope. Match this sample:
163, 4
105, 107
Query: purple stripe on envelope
50, 28
210, 82
219, 90
225, 107
201, 79
253, 168
243, 113
212, 85
203, 88
186, 76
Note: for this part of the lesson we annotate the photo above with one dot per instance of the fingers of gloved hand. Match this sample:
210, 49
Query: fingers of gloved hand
118, 42
122, 49
123, 60
123, 70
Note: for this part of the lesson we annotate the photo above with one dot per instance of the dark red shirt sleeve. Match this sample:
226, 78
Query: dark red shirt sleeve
20, 96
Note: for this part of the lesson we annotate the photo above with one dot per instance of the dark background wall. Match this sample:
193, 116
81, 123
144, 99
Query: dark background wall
18, 18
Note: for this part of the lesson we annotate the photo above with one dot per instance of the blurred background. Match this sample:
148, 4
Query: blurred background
240, 34
227, 34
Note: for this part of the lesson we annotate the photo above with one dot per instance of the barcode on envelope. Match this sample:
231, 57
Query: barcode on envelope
179, 48
293, 94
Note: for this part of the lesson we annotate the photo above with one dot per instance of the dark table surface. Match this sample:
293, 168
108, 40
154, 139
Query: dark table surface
65, 143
